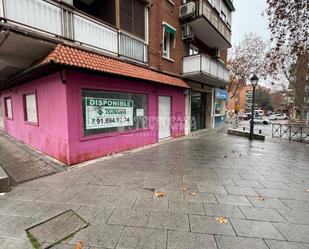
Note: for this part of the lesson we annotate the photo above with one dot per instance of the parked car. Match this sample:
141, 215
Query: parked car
279, 116
261, 120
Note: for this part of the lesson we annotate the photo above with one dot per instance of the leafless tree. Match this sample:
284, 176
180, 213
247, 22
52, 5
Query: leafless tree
246, 58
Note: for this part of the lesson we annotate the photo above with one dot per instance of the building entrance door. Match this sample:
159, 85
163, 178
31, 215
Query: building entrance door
198, 111
164, 117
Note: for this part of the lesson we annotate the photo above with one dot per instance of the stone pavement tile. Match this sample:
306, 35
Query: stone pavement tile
200, 197
221, 181
233, 200
128, 217
10, 243
55, 196
299, 195
150, 182
111, 190
186, 207
274, 185
179, 186
68, 246
297, 205
140, 238
170, 195
151, 205
95, 215
262, 214
241, 191
15, 226
292, 216
230, 211
86, 199
123, 202
27, 208
105, 180
7, 206
206, 224
275, 244
272, 193
135, 182
294, 232
139, 192
3, 218
27, 194
82, 188
48, 210
185, 240
248, 183
227, 242
170, 221
211, 188
256, 229
268, 203
98, 235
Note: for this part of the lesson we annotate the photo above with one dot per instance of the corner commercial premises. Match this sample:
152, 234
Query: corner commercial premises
82, 79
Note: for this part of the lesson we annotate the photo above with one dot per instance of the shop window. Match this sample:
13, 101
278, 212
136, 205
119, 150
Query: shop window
8, 110
169, 40
30, 107
105, 112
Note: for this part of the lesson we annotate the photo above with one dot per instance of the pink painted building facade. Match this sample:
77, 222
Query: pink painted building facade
68, 129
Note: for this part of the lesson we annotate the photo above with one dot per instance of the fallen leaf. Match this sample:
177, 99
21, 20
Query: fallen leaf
307, 190
184, 189
260, 198
79, 245
193, 193
222, 220
160, 194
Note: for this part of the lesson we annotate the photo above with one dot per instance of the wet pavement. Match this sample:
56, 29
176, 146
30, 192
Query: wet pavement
212, 191
22, 163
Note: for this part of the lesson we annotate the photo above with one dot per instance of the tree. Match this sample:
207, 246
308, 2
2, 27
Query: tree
289, 55
263, 99
246, 58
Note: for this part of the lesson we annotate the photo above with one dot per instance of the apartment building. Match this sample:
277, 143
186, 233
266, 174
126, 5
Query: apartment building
80, 79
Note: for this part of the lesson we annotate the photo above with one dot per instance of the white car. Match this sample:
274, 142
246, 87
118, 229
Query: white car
279, 116
260, 120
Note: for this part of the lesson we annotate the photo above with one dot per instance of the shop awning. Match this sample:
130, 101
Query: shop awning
169, 29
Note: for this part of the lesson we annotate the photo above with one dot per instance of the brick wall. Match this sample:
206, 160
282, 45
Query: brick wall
164, 11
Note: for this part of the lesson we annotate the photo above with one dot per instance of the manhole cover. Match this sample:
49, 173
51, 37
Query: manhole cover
56, 229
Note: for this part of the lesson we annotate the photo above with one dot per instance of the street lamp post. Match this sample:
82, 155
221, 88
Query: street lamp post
254, 81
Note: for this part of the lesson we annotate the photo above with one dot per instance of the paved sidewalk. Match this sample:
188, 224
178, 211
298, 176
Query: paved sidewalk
23, 163
260, 187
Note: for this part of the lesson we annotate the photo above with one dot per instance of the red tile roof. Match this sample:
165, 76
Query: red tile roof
69, 56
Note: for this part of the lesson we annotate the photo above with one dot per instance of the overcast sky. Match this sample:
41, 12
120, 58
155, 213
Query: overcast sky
248, 18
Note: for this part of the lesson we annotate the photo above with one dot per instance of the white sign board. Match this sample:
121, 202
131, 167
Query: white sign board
108, 113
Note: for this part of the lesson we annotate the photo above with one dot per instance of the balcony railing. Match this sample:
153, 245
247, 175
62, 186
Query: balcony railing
205, 9
202, 64
53, 19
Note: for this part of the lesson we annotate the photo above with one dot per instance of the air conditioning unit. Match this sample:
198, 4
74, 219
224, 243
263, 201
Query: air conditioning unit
187, 10
187, 32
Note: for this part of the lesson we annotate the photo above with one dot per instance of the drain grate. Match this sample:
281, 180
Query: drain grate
56, 229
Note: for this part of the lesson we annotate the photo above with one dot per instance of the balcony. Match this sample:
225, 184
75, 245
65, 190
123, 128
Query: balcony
205, 70
209, 27
56, 22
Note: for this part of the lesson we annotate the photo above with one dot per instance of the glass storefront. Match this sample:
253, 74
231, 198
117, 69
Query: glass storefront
198, 111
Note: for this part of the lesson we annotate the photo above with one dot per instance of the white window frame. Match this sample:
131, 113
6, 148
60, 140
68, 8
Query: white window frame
193, 50
31, 108
167, 45
8, 108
